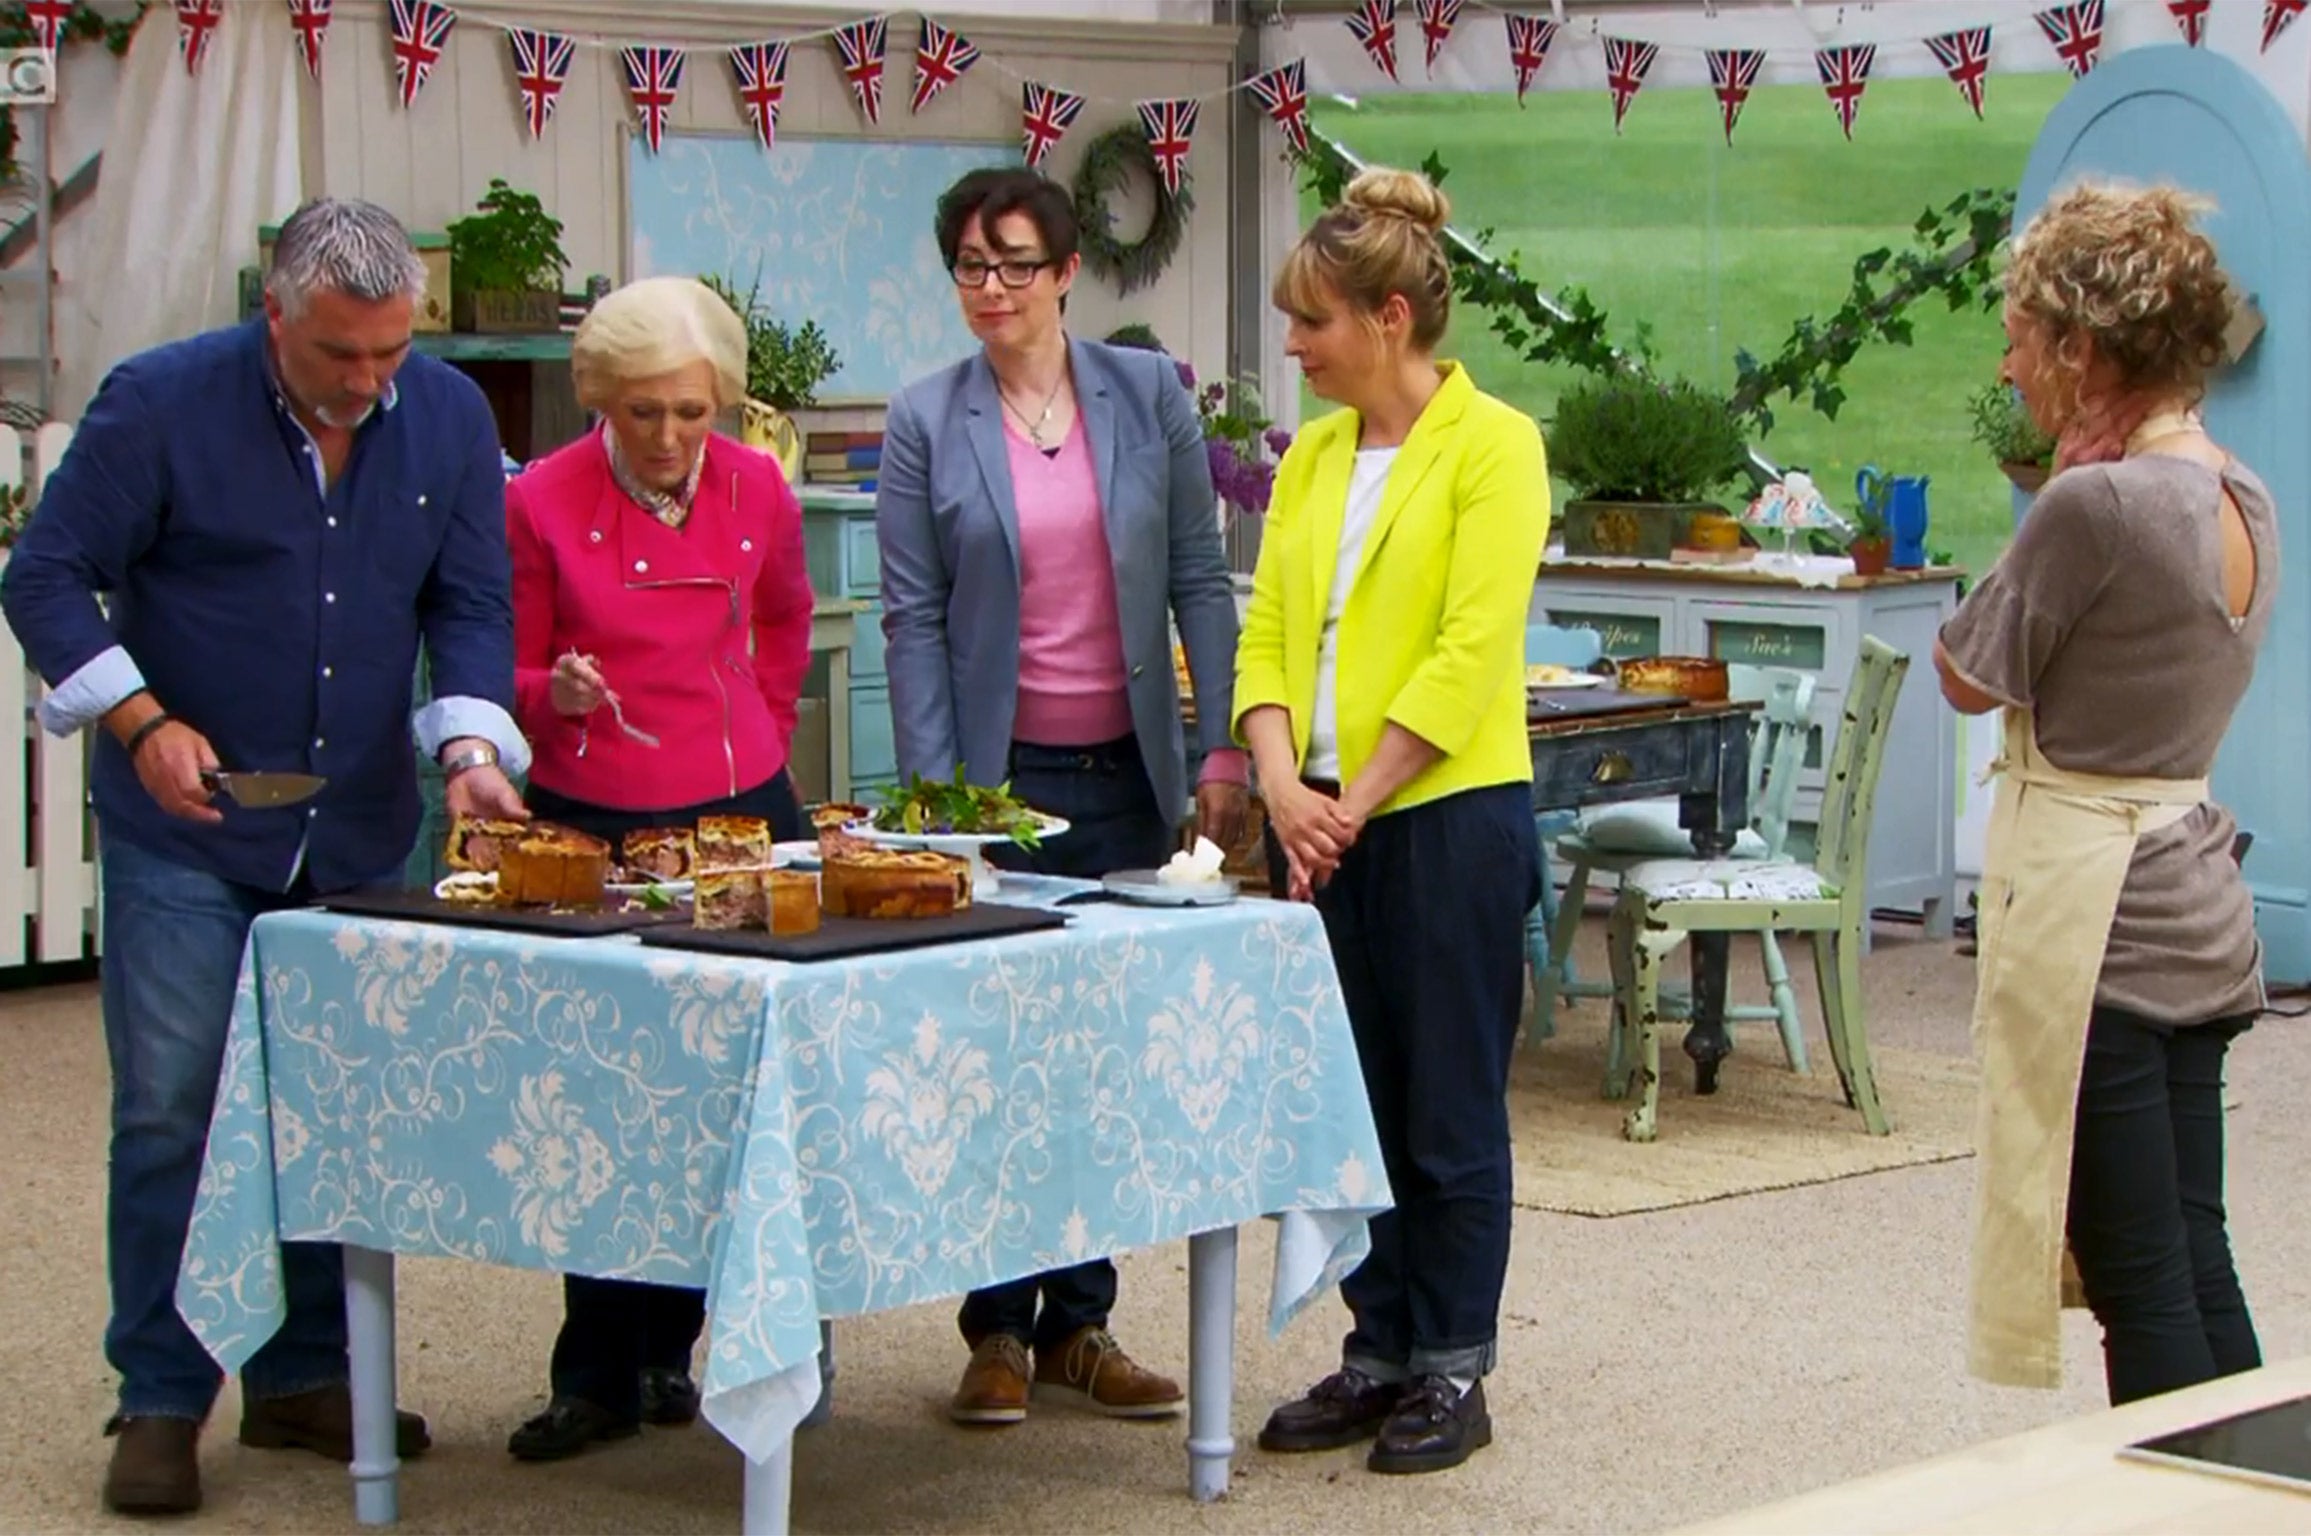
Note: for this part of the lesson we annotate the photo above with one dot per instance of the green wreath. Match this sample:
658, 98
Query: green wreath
1108, 163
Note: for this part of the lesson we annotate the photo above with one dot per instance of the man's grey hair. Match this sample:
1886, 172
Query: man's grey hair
354, 247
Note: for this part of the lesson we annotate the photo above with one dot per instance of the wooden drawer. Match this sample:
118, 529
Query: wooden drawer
823, 534
862, 559
1629, 626
874, 746
1811, 638
867, 645
1635, 762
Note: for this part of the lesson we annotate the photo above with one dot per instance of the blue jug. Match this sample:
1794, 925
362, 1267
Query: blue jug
1900, 502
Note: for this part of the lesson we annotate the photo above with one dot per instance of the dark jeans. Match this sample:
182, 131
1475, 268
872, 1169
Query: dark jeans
172, 959
613, 1329
1426, 917
2146, 1219
1115, 823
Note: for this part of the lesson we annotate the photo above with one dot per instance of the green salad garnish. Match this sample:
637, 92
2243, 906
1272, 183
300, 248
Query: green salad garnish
932, 807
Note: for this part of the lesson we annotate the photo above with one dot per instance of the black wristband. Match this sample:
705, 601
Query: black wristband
151, 724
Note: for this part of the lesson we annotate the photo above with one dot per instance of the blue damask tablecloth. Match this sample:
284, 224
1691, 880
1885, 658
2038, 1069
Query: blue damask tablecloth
800, 1140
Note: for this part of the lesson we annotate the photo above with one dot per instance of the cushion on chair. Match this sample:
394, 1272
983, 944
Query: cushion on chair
1650, 827
1727, 880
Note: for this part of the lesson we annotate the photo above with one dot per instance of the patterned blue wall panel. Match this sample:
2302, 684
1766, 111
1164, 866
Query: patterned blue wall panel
839, 229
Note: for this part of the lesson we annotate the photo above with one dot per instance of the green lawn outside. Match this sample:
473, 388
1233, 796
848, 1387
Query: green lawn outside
1719, 249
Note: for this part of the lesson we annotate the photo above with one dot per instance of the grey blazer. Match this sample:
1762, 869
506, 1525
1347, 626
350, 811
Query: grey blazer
948, 529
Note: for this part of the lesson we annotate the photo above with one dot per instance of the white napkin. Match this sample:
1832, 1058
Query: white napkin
1197, 866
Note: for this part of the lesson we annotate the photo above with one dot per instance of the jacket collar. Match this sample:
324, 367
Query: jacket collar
1414, 459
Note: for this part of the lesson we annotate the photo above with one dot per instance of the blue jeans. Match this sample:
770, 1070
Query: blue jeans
172, 958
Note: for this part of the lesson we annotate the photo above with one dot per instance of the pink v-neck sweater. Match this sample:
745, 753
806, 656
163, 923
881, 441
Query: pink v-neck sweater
1071, 669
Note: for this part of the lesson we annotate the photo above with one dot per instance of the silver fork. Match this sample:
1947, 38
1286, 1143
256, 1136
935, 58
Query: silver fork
617, 713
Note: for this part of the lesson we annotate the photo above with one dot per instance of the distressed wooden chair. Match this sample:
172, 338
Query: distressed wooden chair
1662, 901
1549, 645
1618, 838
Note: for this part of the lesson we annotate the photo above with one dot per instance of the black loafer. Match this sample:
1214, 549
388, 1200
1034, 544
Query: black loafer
1343, 1408
569, 1425
669, 1397
1435, 1426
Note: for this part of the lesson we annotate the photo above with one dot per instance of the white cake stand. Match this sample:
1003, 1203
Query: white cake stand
970, 847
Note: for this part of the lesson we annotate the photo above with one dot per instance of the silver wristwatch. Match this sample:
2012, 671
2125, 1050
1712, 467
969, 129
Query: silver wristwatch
472, 757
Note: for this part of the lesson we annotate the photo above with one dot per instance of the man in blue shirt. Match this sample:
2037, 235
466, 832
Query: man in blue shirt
278, 513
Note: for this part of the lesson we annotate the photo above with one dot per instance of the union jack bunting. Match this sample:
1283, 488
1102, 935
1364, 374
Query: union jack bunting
1169, 126
196, 29
48, 18
761, 72
1733, 75
1529, 40
2076, 33
1046, 113
861, 44
311, 20
1437, 19
541, 65
653, 76
1374, 24
1282, 93
1626, 62
1845, 75
2191, 16
940, 59
420, 32
1965, 58
2278, 16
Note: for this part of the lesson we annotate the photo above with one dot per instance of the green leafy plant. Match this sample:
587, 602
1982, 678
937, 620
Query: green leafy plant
512, 245
15, 512
1631, 436
2001, 424
784, 365
931, 807
1137, 334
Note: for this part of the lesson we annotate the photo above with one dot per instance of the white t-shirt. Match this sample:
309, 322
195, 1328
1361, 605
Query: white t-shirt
1366, 486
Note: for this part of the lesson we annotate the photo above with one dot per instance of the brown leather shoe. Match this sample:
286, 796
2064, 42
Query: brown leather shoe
994, 1386
156, 1467
1343, 1408
321, 1421
1093, 1369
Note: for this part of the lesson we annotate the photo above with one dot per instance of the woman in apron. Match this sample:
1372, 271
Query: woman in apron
2118, 956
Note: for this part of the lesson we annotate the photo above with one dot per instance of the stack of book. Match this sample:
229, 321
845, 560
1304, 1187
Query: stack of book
849, 460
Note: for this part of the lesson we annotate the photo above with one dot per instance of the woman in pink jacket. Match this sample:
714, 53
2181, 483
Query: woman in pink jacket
658, 582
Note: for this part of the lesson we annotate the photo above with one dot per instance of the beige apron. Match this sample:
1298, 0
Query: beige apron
2055, 861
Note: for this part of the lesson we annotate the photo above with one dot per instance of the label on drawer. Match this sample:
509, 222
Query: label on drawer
1625, 634
1802, 646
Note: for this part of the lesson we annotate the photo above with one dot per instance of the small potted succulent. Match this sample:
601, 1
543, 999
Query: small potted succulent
2002, 425
1642, 453
506, 264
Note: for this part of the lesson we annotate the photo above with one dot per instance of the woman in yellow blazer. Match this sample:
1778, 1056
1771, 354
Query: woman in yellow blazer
1380, 688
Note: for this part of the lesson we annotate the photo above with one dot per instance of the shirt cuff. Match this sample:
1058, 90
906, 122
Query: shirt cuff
449, 718
89, 693
1225, 765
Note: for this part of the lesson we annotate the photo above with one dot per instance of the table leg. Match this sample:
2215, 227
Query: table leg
1707, 1042
369, 1348
769, 1487
1211, 1361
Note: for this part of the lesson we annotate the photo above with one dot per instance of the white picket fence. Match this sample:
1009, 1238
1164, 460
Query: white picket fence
48, 869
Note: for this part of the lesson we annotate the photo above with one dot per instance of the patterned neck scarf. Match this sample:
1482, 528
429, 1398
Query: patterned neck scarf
670, 507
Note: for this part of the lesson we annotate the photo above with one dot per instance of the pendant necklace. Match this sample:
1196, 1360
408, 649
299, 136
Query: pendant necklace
1035, 427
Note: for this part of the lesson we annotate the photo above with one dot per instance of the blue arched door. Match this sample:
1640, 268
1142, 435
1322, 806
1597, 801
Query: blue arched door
2198, 120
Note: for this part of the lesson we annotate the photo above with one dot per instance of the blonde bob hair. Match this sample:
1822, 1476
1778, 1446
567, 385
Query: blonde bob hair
2127, 270
651, 327
1380, 239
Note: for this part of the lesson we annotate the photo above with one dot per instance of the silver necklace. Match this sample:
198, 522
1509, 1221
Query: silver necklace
1035, 428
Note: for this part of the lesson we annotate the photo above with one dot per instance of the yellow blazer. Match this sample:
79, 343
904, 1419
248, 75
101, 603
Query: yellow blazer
1433, 633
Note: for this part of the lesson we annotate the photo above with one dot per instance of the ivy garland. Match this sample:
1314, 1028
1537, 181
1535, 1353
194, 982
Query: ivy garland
1108, 164
85, 24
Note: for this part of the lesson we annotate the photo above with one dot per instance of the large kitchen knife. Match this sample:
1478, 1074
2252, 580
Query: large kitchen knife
262, 791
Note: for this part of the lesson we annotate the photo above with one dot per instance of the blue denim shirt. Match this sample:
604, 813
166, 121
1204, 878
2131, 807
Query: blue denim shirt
278, 615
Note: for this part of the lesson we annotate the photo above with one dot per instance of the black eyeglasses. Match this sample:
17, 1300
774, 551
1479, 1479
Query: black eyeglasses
971, 272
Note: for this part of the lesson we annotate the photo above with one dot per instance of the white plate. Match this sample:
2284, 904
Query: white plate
801, 854
676, 888
1583, 680
1144, 887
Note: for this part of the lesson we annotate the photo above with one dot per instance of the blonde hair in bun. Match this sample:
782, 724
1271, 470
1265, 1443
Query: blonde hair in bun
1381, 239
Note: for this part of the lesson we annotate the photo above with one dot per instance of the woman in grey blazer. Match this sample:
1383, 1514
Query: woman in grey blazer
1045, 514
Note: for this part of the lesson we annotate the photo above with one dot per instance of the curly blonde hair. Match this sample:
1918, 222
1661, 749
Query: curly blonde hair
1380, 239
2128, 270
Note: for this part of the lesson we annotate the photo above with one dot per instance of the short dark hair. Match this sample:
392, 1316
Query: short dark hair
996, 192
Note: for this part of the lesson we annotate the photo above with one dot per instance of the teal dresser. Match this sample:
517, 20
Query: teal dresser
838, 532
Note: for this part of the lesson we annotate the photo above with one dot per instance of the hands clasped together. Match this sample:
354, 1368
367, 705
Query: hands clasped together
1316, 832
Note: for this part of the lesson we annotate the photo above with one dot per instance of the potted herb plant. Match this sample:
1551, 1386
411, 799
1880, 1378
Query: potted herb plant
1642, 454
506, 264
1872, 546
2002, 425
784, 368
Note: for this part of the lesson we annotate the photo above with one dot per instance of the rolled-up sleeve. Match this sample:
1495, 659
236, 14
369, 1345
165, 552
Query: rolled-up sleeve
2010, 626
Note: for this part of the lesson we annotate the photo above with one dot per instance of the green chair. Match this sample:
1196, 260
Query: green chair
1615, 839
1664, 900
